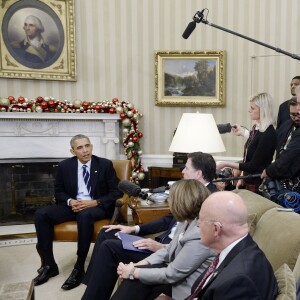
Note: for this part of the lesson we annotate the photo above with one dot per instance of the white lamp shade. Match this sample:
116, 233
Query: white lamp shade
197, 132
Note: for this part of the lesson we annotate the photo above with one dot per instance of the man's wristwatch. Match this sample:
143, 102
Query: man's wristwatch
131, 274
99, 204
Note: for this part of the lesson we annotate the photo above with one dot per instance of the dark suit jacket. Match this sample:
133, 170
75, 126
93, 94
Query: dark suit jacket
287, 163
244, 274
165, 223
104, 182
283, 113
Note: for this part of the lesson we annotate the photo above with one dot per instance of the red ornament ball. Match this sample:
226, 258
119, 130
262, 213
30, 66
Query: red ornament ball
115, 100
11, 98
21, 100
39, 99
112, 110
85, 104
140, 134
135, 139
122, 116
51, 103
44, 105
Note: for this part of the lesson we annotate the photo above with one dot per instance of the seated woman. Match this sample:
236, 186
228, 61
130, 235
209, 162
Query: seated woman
260, 146
173, 269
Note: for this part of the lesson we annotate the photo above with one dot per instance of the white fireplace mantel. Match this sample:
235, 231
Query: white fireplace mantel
47, 135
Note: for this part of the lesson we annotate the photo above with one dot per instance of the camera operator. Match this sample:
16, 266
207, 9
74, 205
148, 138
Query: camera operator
286, 166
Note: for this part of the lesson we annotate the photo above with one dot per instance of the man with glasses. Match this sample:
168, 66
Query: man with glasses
241, 270
283, 112
287, 162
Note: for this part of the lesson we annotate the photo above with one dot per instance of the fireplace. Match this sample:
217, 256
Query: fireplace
33, 144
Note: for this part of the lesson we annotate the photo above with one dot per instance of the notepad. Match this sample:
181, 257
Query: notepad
128, 239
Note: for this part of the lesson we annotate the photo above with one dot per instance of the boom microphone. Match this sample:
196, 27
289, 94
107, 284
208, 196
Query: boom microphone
189, 29
132, 189
198, 17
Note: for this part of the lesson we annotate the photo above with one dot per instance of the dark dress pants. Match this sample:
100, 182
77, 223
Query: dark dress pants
101, 275
47, 217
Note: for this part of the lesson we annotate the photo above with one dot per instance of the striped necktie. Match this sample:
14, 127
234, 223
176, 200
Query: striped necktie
86, 178
209, 271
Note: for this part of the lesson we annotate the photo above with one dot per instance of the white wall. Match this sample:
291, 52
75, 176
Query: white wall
116, 40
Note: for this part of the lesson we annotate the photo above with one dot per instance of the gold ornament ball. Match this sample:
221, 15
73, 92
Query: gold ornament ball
130, 114
141, 176
77, 103
130, 144
38, 109
140, 152
119, 109
134, 175
126, 122
4, 102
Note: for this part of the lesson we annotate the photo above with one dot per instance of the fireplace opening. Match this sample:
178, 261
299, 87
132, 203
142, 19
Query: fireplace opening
24, 188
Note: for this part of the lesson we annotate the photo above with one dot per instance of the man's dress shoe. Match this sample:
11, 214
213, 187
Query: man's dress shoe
74, 280
46, 273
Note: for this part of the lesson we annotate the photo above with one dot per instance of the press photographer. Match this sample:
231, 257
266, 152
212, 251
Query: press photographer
286, 167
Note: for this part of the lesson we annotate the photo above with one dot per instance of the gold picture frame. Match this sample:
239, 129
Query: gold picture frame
37, 39
190, 78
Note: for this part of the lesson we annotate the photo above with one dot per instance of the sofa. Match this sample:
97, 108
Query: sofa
277, 233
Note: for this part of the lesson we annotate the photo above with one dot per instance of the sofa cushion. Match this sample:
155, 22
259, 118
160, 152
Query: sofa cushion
256, 203
277, 234
286, 283
252, 219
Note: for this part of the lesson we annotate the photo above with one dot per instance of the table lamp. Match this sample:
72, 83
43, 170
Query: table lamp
197, 132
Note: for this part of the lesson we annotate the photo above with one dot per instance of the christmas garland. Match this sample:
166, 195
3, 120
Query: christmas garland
128, 114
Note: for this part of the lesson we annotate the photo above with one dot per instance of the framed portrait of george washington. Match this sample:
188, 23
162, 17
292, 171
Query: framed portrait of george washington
38, 39
190, 78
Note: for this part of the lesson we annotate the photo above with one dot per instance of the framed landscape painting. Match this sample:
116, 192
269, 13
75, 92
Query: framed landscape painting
190, 78
38, 39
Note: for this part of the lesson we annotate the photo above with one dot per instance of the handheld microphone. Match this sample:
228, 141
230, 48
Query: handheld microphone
224, 128
132, 189
198, 17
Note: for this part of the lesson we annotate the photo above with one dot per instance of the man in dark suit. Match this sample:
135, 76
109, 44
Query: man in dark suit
86, 189
283, 112
241, 270
108, 251
287, 161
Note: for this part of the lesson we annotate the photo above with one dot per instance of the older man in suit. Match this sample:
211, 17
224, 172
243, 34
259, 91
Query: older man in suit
86, 189
108, 250
241, 270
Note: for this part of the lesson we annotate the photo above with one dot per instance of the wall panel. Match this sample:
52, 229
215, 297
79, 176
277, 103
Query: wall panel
116, 41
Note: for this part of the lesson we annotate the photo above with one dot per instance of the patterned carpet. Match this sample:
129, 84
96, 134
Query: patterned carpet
15, 291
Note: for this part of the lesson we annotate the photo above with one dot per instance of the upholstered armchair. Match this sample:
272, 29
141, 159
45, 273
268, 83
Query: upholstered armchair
67, 231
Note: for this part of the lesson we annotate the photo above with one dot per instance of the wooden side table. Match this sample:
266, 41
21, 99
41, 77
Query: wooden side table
157, 173
145, 211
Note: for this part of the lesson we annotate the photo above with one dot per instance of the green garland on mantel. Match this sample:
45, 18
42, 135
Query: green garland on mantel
128, 114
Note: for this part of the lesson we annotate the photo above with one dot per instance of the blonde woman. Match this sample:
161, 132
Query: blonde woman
260, 145
173, 269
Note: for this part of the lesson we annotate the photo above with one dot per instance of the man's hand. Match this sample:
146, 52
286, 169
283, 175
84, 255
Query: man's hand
122, 228
148, 244
79, 205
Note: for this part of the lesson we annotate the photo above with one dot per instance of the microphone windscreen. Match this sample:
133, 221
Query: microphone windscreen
189, 29
224, 128
129, 188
